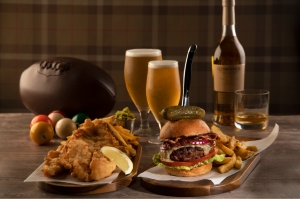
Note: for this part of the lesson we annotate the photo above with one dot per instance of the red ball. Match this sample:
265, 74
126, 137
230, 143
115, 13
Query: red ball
59, 112
41, 118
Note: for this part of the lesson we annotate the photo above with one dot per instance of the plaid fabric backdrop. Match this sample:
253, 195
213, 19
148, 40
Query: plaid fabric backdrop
101, 31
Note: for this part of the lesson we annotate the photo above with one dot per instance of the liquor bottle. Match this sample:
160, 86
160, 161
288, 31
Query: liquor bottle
228, 68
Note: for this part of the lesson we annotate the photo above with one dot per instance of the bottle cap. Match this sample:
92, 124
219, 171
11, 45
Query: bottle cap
228, 2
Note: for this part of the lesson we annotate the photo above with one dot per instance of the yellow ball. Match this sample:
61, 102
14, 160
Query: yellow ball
41, 133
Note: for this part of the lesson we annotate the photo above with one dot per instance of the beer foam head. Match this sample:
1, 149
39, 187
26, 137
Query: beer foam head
143, 52
163, 64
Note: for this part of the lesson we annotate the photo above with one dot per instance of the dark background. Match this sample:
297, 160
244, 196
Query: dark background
101, 31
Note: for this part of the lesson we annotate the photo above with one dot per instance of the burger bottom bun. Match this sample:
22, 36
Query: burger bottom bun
194, 172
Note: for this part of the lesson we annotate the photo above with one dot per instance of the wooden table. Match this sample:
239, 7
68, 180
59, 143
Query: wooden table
277, 175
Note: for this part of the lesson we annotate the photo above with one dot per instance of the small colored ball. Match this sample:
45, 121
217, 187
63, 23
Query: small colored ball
65, 127
80, 118
41, 132
41, 118
55, 116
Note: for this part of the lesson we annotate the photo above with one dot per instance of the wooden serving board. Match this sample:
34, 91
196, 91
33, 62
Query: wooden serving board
120, 182
203, 187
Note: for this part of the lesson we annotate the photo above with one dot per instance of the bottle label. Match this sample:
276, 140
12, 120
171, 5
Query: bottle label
228, 78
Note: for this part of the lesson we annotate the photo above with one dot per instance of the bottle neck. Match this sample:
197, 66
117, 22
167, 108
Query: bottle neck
228, 30
228, 18
228, 12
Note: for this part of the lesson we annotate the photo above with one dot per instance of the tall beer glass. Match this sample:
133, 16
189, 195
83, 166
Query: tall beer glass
135, 74
162, 89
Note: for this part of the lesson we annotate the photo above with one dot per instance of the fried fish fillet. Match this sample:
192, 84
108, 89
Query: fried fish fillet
53, 165
81, 153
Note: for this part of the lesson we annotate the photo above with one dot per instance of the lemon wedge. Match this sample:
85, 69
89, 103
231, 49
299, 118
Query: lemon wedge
119, 158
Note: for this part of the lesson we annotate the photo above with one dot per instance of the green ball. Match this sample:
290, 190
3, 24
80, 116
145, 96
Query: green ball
79, 118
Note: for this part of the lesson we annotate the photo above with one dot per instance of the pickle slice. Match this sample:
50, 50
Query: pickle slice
174, 113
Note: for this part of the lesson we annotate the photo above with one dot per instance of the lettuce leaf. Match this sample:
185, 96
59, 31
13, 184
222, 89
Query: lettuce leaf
219, 158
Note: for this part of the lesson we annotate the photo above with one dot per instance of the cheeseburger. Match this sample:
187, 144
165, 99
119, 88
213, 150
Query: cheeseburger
188, 148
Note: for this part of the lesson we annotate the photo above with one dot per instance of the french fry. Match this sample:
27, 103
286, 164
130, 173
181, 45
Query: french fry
129, 140
134, 142
238, 162
116, 134
125, 132
243, 153
235, 150
252, 148
232, 143
130, 137
226, 167
225, 161
128, 150
224, 148
222, 136
241, 144
109, 119
127, 136
219, 151
131, 150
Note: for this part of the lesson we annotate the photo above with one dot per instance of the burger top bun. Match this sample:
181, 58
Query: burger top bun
184, 127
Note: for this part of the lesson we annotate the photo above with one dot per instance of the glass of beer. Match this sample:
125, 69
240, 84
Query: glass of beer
162, 90
135, 75
251, 109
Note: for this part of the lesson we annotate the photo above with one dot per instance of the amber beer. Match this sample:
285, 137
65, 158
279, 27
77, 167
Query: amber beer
163, 86
135, 74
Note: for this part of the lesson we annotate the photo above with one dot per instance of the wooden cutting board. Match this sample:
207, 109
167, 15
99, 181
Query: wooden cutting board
120, 182
203, 187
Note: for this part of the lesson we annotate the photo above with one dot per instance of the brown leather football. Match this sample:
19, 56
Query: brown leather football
67, 84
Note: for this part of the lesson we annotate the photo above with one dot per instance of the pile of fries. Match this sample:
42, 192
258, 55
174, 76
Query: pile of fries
123, 135
235, 151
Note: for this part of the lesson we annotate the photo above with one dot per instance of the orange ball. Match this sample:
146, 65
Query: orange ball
41, 118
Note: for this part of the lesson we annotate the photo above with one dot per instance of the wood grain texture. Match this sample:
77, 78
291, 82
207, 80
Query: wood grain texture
277, 169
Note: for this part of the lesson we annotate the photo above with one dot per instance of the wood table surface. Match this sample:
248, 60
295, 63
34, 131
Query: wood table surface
277, 175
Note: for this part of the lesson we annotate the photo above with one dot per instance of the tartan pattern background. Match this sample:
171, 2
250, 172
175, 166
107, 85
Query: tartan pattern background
101, 31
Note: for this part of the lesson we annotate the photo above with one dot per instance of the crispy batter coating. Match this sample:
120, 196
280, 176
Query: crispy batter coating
81, 153
53, 165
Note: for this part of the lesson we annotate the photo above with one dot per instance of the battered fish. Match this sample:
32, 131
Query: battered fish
81, 153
